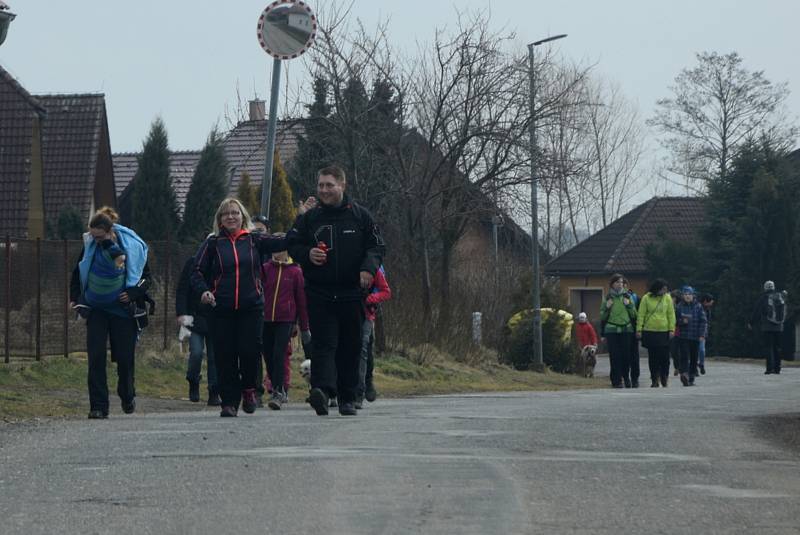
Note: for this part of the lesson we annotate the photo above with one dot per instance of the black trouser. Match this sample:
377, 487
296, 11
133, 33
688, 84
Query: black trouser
772, 339
103, 327
658, 361
276, 337
619, 349
236, 335
632, 370
688, 362
336, 346
675, 352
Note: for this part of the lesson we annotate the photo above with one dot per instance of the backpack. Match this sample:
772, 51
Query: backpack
776, 308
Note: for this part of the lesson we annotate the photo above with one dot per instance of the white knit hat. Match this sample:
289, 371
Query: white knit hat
769, 285
582, 317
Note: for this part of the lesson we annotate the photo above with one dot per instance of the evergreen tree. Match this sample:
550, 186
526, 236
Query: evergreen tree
248, 194
208, 188
155, 214
281, 206
313, 147
70, 224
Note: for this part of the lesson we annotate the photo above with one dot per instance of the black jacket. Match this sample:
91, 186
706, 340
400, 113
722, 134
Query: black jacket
758, 318
187, 300
354, 245
231, 268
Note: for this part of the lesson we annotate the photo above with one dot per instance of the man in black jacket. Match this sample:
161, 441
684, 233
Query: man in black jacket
768, 317
187, 304
339, 248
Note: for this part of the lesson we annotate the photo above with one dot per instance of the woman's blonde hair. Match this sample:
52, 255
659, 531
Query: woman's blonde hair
224, 204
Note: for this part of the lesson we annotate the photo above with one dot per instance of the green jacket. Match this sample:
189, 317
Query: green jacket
619, 318
656, 313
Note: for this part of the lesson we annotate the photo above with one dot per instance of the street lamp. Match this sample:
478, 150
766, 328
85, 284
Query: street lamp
5, 20
538, 361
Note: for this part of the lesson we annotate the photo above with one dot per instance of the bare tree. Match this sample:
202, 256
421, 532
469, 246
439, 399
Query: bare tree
716, 107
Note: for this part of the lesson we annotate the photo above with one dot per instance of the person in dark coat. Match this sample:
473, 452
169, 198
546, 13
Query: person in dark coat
227, 276
110, 295
338, 245
769, 314
691, 318
188, 308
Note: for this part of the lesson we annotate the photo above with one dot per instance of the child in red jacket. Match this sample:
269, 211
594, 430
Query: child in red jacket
378, 293
284, 305
585, 332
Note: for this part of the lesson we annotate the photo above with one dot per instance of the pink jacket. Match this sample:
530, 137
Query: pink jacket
284, 296
379, 293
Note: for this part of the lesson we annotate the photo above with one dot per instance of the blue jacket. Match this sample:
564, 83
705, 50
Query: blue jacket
691, 320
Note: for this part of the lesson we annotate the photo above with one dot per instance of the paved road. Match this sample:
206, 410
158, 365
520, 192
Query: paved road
675, 460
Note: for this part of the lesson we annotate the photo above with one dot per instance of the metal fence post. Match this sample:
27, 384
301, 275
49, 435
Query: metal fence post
38, 299
8, 298
166, 287
66, 299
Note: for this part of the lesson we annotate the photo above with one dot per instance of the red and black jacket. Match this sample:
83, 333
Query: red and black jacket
229, 265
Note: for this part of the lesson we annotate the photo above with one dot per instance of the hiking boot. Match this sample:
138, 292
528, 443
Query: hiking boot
702, 369
333, 403
654, 383
194, 391
228, 412
627, 382
275, 400
359, 403
129, 407
634, 383
685, 379
285, 395
249, 400
370, 394
617, 385
664, 381
319, 401
213, 398
97, 414
348, 409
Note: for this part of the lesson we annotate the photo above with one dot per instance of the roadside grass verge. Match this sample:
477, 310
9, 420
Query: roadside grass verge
55, 387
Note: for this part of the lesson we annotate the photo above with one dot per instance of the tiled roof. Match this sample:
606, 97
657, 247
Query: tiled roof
181, 170
620, 247
244, 148
18, 109
71, 137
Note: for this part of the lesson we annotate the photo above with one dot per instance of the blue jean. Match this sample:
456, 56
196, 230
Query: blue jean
366, 350
196, 343
701, 353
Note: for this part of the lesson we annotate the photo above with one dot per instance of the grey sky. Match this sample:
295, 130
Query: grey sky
182, 59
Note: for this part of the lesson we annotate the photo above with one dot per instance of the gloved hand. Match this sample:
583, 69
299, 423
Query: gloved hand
305, 337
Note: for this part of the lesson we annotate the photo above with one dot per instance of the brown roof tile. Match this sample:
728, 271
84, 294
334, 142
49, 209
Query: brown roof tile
620, 247
18, 111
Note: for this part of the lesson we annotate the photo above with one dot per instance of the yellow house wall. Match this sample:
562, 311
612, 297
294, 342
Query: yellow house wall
637, 284
35, 188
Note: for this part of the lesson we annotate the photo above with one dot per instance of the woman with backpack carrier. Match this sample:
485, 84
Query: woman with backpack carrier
227, 277
108, 289
768, 316
618, 320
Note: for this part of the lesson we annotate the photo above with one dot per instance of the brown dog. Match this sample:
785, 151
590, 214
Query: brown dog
588, 360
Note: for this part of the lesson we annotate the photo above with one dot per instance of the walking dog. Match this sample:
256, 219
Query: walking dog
588, 360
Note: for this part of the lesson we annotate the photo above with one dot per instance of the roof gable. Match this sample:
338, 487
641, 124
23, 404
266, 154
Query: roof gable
620, 247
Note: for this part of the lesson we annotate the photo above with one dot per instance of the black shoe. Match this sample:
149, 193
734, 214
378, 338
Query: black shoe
130, 407
664, 380
634, 384
347, 409
627, 382
768, 372
359, 403
618, 385
213, 398
319, 401
97, 415
702, 369
249, 400
777, 372
370, 394
194, 391
685, 379
228, 412
654, 383
333, 403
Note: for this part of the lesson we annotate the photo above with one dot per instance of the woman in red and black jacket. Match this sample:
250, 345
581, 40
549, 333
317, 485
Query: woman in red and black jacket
227, 276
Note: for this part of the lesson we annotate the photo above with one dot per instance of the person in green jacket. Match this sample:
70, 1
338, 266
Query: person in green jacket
655, 326
618, 318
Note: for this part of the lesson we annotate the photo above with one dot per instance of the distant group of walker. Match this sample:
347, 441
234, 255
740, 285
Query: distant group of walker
242, 297
672, 326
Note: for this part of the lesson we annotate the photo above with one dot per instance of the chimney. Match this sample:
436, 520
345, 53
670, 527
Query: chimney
257, 110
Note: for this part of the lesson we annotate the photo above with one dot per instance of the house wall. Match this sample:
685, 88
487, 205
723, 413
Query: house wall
35, 187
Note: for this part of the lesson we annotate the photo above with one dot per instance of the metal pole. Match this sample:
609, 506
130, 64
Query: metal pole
66, 299
537, 305
167, 268
266, 183
38, 299
8, 298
